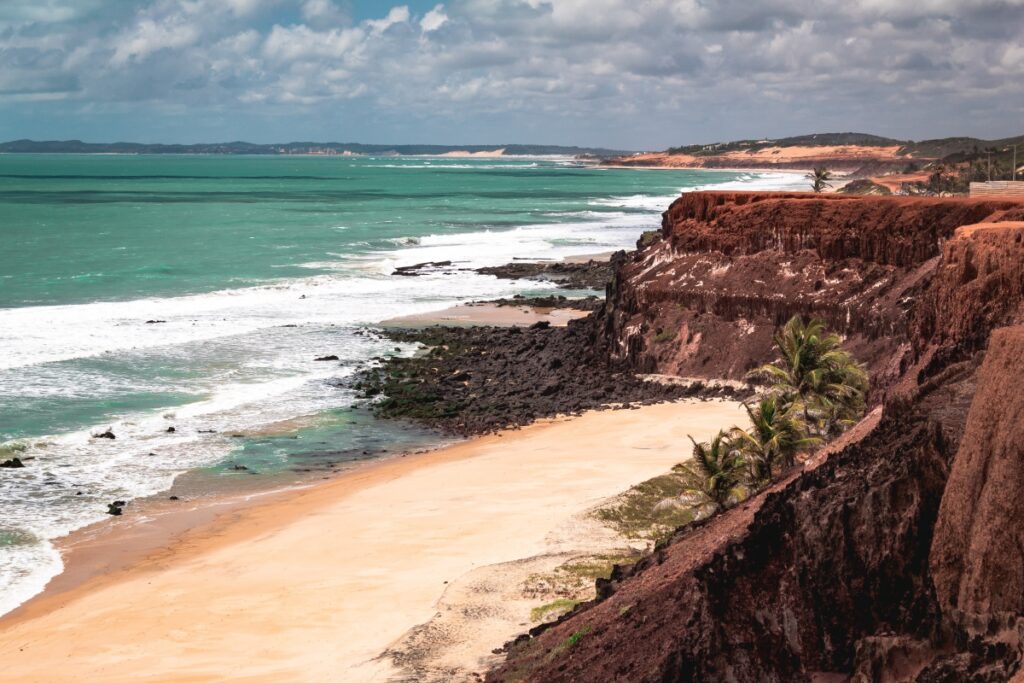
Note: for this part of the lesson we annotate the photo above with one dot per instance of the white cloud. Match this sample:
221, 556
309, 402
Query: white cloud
397, 15
148, 36
434, 19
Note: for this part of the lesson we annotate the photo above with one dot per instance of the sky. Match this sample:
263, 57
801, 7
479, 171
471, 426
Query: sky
628, 74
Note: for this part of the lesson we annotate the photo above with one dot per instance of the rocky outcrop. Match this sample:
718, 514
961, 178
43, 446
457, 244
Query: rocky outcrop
893, 555
476, 380
592, 274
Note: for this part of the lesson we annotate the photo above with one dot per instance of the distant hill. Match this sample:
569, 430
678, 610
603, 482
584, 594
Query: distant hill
326, 148
813, 140
963, 147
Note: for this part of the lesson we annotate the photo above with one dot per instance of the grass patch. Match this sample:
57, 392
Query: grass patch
665, 336
576, 637
560, 606
574, 580
596, 567
636, 513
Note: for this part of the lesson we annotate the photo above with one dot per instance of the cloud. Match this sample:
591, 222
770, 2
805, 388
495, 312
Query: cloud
434, 19
693, 69
397, 15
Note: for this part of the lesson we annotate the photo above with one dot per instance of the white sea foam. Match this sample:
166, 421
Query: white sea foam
767, 181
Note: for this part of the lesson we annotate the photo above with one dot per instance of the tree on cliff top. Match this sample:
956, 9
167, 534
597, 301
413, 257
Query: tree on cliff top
819, 178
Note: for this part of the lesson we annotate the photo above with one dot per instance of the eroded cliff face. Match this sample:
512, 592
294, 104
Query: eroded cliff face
977, 557
704, 298
871, 562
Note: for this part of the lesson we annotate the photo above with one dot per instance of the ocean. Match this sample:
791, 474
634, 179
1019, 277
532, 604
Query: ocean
180, 301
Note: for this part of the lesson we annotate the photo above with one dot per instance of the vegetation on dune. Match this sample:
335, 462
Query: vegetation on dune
642, 513
864, 186
559, 607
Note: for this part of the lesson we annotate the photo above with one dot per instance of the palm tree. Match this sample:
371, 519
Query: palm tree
819, 178
776, 435
817, 373
716, 471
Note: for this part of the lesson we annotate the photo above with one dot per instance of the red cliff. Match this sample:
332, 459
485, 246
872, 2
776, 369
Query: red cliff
896, 553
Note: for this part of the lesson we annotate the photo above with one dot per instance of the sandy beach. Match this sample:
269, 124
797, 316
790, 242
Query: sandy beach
488, 314
316, 584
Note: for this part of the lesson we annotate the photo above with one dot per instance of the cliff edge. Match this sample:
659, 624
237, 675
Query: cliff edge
893, 554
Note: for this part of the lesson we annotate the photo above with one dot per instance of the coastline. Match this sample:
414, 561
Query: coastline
283, 577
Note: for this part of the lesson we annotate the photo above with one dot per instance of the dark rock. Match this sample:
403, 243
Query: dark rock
589, 303
13, 463
155, 322
589, 275
173, 498
321, 358
109, 434
482, 379
540, 325
419, 267
170, 430
116, 508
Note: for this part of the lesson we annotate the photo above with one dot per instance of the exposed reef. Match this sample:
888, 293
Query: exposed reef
480, 379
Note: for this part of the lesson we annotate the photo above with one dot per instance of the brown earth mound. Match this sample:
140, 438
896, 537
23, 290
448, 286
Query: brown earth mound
832, 574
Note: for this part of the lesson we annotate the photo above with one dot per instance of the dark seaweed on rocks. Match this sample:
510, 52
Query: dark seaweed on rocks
482, 379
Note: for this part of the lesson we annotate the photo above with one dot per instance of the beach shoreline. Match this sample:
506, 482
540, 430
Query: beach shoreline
411, 523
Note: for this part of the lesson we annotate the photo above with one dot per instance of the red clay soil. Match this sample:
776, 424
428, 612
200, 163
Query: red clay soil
828, 576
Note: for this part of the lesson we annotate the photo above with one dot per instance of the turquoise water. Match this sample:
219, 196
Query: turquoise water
141, 293
85, 228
